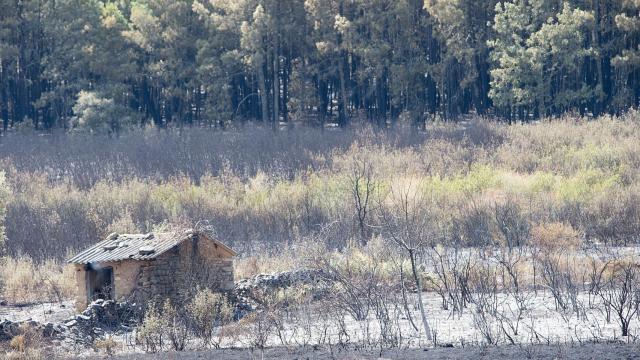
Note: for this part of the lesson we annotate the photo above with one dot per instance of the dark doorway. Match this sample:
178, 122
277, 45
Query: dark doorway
100, 283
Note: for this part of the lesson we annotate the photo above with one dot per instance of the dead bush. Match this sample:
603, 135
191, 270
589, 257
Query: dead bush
474, 226
5, 192
18, 343
176, 322
28, 344
452, 269
484, 298
354, 278
388, 307
107, 345
614, 218
512, 223
290, 305
208, 310
259, 327
29, 354
555, 236
266, 262
618, 285
151, 334
555, 248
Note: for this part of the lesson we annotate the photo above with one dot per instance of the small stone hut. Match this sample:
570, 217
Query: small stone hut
136, 267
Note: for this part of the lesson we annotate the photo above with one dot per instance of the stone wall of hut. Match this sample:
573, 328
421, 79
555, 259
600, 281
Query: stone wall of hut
176, 274
125, 281
80, 276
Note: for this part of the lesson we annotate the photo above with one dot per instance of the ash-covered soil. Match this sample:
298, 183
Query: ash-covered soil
599, 351
54, 312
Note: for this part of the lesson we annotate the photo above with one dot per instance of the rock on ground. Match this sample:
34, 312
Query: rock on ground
247, 292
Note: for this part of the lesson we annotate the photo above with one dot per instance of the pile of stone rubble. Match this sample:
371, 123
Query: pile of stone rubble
99, 317
246, 293
9, 329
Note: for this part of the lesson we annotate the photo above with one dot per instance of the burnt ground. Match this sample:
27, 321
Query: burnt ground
54, 312
599, 351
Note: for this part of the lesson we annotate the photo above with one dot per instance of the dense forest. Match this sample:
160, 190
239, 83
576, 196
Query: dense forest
107, 65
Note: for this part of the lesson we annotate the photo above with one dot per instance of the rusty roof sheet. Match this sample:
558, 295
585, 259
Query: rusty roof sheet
119, 247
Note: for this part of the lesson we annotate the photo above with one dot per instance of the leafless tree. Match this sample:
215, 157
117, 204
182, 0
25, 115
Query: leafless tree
517, 298
406, 221
399, 265
362, 184
452, 268
512, 224
485, 300
618, 285
352, 288
561, 281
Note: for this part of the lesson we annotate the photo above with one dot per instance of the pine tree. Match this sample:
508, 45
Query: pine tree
537, 55
462, 27
627, 61
166, 33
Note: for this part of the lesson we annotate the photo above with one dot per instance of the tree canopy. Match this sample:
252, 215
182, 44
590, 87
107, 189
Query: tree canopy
108, 65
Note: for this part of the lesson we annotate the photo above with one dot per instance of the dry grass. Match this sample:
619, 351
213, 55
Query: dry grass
555, 237
30, 354
27, 345
284, 258
24, 281
107, 345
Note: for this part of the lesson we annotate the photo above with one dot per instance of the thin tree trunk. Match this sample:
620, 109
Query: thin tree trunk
596, 38
343, 93
4, 106
416, 278
276, 87
264, 98
405, 301
285, 86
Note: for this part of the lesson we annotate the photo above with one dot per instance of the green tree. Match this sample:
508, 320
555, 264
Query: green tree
255, 46
462, 27
22, 51
165, 33
97, 113
627, 61
208, 62
331, 49
555, 53
629, 22
536, 58
412, 42
219, 63
83, 50
71, 32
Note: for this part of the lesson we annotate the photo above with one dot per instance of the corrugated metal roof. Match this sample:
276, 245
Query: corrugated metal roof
128, 246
